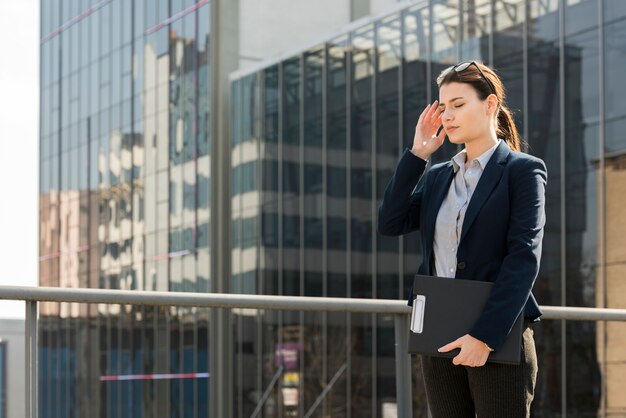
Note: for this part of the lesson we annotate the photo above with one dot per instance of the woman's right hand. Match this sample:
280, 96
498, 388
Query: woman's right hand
426, 141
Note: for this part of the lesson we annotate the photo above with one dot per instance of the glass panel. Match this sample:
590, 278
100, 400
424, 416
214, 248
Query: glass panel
388, 143
361, 222
269, 173
615, 108
203, 110
614, 181
337, 343
336, 224
445, 44
249, 109
614, 10
313, 379
291, 175
544, 142
336, 90
475, 30
313, 203
414, 98
445, 32
291, 105
270, 104
361, 151
581, 180
361, 92
245, 226
508, 55
387, 150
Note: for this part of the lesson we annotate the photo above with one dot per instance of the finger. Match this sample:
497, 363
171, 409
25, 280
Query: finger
428, 110
441, 137
435, 125
449, 346
436, 114
431, 108
436, 111
445, 348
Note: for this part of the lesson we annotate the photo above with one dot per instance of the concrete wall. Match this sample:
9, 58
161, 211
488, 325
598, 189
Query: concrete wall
12, 332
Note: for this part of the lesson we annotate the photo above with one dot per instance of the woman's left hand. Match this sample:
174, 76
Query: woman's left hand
473, 353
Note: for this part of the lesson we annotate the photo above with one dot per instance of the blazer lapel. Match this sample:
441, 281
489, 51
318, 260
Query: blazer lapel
488, 180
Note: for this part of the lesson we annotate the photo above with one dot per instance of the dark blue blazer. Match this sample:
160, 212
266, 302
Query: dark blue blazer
501, 234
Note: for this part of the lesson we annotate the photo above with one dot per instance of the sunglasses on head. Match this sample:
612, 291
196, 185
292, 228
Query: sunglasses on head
463, 66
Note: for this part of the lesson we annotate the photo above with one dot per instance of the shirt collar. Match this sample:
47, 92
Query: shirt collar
459, 159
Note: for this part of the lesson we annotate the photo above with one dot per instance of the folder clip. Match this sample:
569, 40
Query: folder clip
417, 315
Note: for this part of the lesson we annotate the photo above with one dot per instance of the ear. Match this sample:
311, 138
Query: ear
492, 104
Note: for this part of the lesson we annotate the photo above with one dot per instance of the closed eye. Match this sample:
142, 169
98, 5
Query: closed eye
459, 105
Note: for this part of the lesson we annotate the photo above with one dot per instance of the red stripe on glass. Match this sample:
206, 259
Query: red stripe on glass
157, 376
176, 17
74, 20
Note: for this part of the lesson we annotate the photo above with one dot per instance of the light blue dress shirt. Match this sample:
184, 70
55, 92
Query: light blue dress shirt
452, 212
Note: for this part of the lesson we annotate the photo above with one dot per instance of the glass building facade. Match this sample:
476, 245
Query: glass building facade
126, 163
315, 139
124, 204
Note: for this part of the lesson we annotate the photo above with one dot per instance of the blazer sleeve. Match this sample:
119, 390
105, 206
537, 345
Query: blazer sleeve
399, 211
520, 266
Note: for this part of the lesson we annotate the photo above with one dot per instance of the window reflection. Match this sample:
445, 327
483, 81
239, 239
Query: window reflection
106, 129
612, 184
475, 29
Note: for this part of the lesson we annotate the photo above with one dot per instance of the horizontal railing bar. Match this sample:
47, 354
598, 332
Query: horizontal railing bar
583, 314
203, 300
283, 303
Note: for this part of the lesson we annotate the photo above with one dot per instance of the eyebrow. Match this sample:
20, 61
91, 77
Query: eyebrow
451, 100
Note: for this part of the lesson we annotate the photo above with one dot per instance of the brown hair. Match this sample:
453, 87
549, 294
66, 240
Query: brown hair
505, 125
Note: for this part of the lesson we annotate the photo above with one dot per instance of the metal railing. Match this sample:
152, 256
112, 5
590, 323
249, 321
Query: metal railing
33, 295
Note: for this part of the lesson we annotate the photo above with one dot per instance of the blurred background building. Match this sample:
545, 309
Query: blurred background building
12, 377
244, 146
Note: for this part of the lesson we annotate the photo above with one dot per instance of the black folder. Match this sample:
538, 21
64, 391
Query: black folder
445, 309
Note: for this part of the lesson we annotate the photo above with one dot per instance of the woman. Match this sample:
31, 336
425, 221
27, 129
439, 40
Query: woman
481, 217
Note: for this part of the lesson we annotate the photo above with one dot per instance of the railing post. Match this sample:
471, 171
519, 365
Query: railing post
31, 359
403, 367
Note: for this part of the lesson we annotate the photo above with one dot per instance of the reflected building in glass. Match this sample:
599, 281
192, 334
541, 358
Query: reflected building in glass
316, 136
141, 190
125, 169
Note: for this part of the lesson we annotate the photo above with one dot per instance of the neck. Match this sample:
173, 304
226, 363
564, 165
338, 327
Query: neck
478, 146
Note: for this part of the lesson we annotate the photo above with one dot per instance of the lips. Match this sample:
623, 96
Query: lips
451, 128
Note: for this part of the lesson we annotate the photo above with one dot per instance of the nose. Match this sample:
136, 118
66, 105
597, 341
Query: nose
447, 114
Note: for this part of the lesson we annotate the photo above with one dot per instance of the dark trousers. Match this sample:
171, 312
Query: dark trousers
491, 391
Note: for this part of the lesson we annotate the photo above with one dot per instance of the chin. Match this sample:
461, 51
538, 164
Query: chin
455, 139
